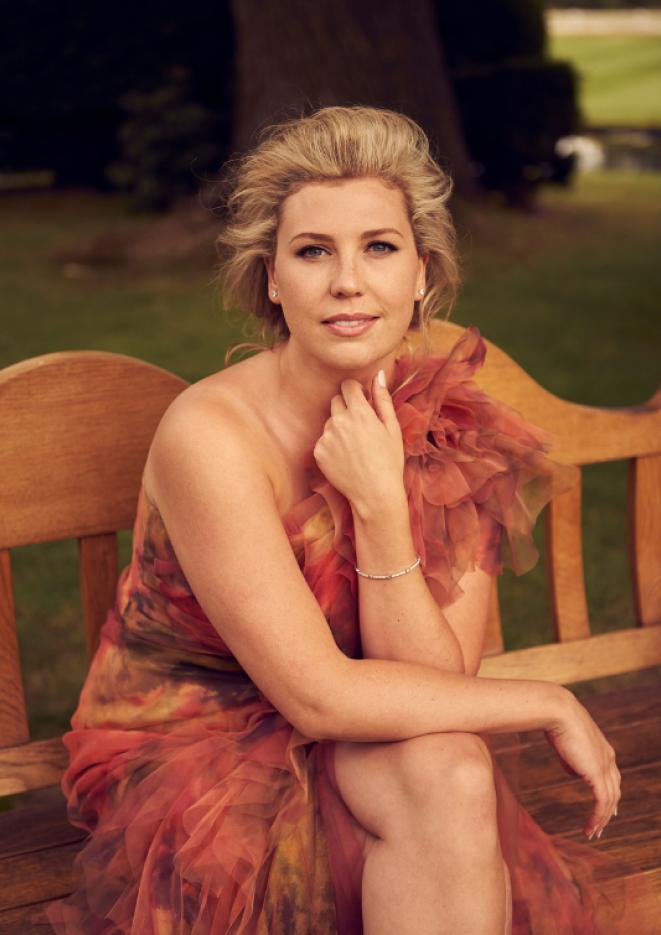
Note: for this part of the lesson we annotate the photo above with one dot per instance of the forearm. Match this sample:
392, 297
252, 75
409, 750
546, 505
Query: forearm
376, 700
399, 618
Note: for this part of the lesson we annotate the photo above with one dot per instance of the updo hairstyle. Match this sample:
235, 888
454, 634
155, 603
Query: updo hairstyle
330, 144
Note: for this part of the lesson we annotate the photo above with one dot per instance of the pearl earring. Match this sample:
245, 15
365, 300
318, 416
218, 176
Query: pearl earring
274, 293
421, 291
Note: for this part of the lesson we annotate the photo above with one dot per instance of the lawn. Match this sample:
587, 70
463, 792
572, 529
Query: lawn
620, 77
571, 292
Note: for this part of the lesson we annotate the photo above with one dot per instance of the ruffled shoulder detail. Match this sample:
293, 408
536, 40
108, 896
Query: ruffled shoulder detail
476, 473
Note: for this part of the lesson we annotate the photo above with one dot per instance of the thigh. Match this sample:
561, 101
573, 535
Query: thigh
377, 780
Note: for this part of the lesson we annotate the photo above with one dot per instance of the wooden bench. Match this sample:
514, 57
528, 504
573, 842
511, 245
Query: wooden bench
76, 427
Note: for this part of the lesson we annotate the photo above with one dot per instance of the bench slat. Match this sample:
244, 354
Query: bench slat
538, 766
493, 637
38, 823
32, 765
13, 715
579, 660
27, 878
98, 582
79, 442
645, 537
564, 551
15, 921
566, 808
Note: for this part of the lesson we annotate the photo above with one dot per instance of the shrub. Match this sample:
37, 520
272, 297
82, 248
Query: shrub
167, 139
513, 115
514, 102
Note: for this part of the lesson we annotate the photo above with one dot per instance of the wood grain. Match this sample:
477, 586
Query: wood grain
13, 715
38, 818
493, 638
583, 434
98, 582
564, 550
595, 657
15, 921
25, 879
645, 537
76, 428
31, 765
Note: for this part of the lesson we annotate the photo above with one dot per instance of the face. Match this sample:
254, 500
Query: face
346, 249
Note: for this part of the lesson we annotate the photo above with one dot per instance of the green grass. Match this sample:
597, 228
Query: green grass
570, 292
620, 77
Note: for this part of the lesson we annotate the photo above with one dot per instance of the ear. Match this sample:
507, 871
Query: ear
421, 274
270, 273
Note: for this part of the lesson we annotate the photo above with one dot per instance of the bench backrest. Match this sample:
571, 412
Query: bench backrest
584, 435
76, 428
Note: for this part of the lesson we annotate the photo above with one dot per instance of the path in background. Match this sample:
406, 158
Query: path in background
603, 22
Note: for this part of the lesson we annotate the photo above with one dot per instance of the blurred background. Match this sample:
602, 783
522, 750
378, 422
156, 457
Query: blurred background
115, 124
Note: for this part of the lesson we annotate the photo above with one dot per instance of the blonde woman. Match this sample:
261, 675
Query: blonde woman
282, 730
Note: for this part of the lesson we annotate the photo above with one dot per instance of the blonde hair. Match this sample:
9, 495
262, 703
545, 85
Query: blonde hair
330, 144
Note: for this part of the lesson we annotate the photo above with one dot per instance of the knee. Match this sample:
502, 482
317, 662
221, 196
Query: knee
451, 771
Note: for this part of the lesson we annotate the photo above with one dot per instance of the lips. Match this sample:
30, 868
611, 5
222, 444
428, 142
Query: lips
348, 325
345, 317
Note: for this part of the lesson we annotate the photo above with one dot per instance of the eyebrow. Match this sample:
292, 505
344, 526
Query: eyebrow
365, 235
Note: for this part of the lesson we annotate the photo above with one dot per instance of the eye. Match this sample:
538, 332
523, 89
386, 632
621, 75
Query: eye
304, 251
383, 243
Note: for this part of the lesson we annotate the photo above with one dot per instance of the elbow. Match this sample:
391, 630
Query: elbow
318, 725
323, 716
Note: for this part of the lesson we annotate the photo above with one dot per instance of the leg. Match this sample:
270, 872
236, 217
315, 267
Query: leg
428, 807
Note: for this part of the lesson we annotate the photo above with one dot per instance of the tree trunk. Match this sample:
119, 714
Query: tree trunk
293, 56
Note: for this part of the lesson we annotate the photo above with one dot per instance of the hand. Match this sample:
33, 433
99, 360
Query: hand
585, 752
361, 451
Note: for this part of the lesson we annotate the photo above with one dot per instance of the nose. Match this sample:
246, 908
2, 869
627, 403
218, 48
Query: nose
345, 279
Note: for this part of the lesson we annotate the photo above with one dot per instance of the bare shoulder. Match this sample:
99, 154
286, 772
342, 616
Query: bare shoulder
209, 479
219, 420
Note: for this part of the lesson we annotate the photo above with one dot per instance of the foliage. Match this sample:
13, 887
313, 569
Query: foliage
514, 102
485, 32
166, 140
513, 114
63, 71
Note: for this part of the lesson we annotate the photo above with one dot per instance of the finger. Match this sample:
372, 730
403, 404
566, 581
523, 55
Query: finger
613, 782
604, 812
383, 403
616, 779
619, 789
337, 405
600, 811
353, 394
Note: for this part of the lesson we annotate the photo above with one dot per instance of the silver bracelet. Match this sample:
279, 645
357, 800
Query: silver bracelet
395, 574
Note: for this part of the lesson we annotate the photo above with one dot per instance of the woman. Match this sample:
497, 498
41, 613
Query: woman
281, 731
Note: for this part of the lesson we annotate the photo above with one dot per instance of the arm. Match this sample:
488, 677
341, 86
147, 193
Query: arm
399, 618
217, 503
218, 506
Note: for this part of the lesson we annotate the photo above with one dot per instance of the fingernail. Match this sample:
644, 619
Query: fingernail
615, 812
381, 378
599, 833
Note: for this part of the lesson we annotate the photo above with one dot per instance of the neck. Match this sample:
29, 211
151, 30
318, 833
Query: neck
306, 387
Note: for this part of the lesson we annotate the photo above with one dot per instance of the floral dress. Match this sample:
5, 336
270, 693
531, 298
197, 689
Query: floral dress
208, 812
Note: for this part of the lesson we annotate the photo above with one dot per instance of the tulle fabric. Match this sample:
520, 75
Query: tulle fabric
207, 812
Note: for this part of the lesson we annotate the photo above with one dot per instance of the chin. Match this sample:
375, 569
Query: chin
352, 355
